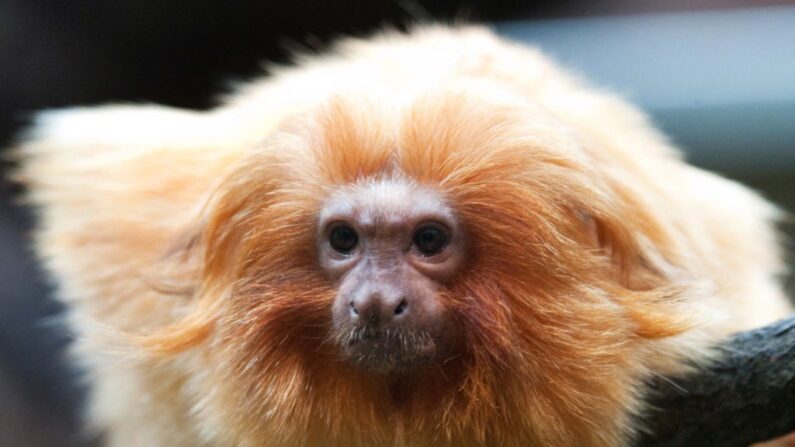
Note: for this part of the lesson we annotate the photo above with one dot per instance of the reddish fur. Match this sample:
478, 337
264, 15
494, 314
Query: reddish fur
539, 347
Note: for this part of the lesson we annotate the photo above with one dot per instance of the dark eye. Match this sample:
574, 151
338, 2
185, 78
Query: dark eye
430, 239
343, 238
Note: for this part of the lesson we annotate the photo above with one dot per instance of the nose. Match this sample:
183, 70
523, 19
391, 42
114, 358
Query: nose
379, 308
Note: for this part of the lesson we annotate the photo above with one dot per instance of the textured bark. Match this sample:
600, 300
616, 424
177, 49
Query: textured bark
745, 397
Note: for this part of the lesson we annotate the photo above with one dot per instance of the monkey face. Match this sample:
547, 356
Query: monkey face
389, 246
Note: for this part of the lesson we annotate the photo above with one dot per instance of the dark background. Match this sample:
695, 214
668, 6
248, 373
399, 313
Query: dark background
80, 52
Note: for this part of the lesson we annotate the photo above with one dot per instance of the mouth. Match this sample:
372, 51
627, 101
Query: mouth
387, 350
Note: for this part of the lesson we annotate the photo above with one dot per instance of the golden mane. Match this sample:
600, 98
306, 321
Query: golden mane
541, 318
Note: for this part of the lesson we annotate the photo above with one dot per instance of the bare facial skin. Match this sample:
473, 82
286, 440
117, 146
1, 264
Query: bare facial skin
390, 246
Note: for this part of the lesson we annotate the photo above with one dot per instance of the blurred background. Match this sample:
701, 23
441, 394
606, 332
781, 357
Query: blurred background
717, 75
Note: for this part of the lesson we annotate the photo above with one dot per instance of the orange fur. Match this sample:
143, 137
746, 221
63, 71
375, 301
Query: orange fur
596, 258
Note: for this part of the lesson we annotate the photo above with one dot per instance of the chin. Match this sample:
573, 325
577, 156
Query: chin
389, 352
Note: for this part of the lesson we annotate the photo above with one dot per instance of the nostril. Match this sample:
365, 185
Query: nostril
401, 307
354, 309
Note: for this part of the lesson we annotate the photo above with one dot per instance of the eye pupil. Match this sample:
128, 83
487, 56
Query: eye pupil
430, 240
343, 238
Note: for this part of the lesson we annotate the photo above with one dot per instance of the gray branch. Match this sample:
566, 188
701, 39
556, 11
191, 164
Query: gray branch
748, 396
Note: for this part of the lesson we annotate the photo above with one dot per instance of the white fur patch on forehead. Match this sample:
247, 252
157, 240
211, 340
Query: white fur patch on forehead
385, 202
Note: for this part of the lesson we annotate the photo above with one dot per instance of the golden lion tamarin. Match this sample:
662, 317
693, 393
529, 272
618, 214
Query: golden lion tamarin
436, 238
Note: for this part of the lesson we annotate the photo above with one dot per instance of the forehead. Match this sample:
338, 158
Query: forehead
384, 200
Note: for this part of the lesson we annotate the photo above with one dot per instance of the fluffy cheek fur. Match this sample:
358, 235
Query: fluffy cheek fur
556, 303
284, 379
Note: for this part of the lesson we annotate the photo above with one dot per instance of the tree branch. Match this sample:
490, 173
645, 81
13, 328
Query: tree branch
747, 396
